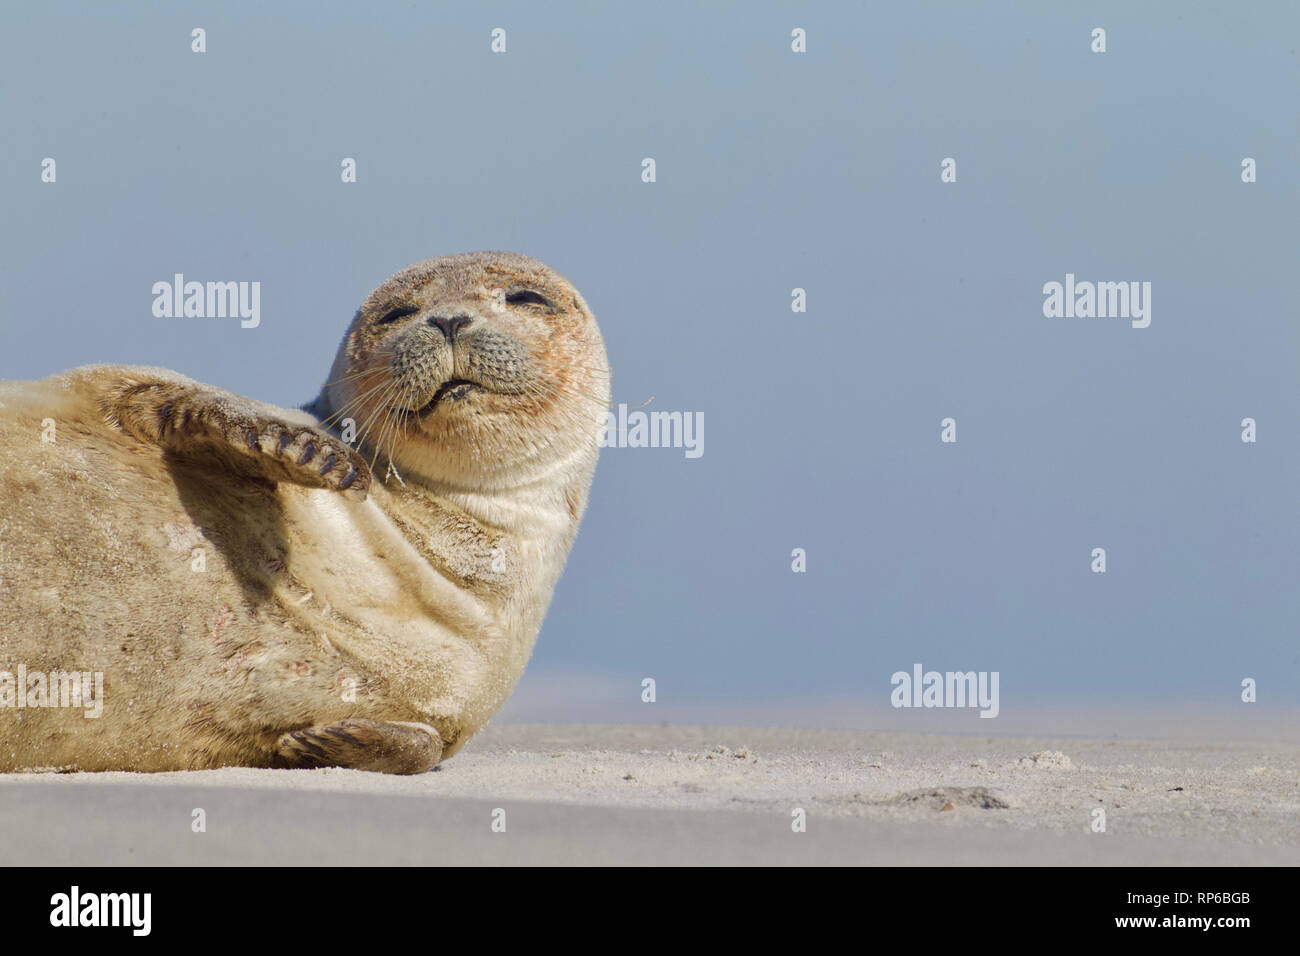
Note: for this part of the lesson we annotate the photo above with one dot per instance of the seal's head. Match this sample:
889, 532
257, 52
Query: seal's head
482, 370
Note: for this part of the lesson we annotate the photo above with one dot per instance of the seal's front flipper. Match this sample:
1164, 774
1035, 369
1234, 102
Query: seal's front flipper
198, 422
361, 744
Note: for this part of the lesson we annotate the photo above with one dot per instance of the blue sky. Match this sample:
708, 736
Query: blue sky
775, 170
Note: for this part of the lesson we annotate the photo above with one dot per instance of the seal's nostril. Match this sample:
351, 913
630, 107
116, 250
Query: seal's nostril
449, 326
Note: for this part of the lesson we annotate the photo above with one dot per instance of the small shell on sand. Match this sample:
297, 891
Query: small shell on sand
1048, 760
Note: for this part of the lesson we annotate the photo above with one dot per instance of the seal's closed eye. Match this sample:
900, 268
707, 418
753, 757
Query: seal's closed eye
398, 313
528, 297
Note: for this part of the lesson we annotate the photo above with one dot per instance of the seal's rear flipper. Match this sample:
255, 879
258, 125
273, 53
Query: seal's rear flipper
361, 744
202, 423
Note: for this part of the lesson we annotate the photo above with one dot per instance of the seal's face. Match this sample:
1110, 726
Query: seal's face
465, 365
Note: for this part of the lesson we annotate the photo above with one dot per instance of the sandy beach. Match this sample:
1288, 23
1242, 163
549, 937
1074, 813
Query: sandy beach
628, 794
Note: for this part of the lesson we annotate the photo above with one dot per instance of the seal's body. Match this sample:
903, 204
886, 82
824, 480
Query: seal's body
250, 594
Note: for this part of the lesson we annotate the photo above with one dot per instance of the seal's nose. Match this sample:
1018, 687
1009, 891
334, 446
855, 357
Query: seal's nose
449, 326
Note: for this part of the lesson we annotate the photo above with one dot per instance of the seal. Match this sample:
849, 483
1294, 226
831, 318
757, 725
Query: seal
193, 579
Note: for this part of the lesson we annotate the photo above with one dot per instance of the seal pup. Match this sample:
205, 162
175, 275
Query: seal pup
232, 583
